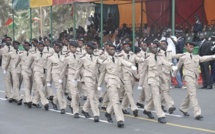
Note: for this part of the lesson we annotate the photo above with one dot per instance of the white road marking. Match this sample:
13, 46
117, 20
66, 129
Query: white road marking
79, 116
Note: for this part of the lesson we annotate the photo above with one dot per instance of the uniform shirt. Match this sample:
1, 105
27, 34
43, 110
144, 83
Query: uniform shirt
154, 65
111, 71
48, 50
65, 50
70, 64
40, 61
4, 51
97, 52
33, 49
81, 50
89, 65
26, 61
142, 70
127, 71
13, 61
191, 64
55, 65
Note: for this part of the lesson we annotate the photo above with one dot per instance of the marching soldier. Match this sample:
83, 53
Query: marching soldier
154, 64
70, 67
48, 50
191, 75
4, 51
81, 51
54, 68
89, 64
13, 64
26, 60
111, 73
40, 61
142, 71
129, 77
165, 87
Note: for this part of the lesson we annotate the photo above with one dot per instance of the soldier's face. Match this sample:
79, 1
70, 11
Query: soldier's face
57, 49
189, 48
127, 48
8, 41
26, 47
163, 46
143, 46
40, 47
72, 49
80, 43
89, 50
47, 43
111, 51
154, 48
16, 46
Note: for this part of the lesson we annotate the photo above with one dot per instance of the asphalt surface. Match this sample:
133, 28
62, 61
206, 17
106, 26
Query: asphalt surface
22, 120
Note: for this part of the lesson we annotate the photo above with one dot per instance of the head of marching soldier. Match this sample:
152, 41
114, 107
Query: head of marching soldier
163, 45
90, 47
80, 42
73, 46
143, 45
7, 40
96, 43
58, 47
111, 49
34, 42
106, 45
153, 48
190, 47
47, 42
16, 45
26, 45
126, 46
40, 46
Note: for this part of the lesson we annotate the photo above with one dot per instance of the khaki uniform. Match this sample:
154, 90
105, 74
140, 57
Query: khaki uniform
111, 73
7, 77
48, 90
89, 64
81, 86
69, 68
142, 70
165, 87
13, 64
54, 69
26, 72
98, 52
65, 86
154, 80
39, 64
191, 75
129, 78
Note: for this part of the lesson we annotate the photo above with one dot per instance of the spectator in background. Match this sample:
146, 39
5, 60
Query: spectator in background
172, 43
212, 39
205, 49
197, 29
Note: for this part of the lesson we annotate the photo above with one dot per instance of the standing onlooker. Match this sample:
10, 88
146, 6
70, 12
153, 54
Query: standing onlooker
205, 49
197, 28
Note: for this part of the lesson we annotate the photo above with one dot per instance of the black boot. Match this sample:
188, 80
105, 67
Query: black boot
96, 119
120, 124
140, 105
19, 102
149, 114
85, 114
76, 115
54, 106
62, 111
135, 113
171, 110
162, 120
46, 107
109, 118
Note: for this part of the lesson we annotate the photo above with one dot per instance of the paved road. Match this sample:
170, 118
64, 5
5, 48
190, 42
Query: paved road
22, 120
